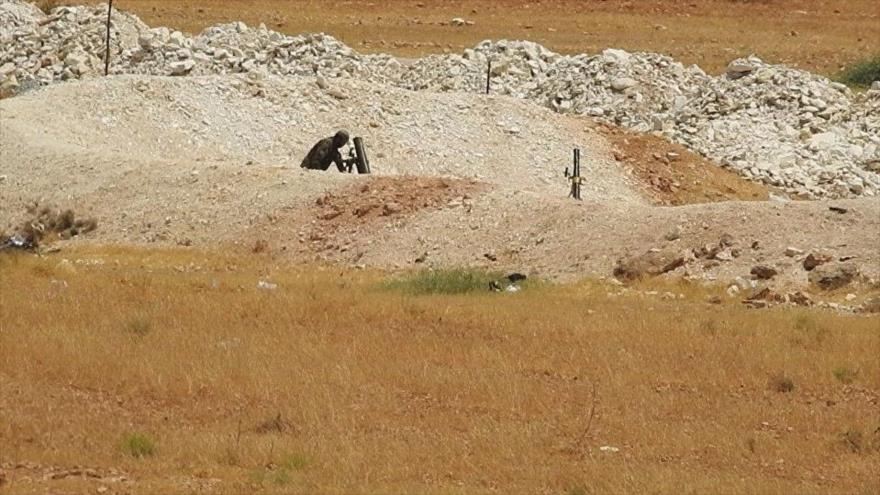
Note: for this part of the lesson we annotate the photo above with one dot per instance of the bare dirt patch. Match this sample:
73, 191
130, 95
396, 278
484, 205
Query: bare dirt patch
338, 218
670, 174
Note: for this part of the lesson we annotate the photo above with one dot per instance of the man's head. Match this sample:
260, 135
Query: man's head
340, 139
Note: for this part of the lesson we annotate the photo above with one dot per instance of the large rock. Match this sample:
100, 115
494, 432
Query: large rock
78, 62
8, 86
182, 67
831, 276
646, 265
816, 259
763, 272
623, 83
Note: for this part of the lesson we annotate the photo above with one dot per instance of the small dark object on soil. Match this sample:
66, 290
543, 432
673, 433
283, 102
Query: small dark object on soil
781, 383
763, 272
838, 209
274, 425
46, 221
516, 277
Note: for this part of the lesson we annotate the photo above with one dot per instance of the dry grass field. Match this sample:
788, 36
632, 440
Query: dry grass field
168, 371
818, 35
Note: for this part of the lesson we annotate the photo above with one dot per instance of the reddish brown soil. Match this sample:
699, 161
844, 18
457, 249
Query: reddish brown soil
340, 218
671, 175
819, 35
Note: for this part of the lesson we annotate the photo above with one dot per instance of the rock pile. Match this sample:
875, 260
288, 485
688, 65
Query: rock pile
784, 127
67, 44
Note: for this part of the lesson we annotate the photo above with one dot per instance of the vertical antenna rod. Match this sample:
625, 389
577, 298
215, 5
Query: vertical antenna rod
107, 51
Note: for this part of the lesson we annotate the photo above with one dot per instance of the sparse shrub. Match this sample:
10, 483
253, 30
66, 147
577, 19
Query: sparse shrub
48, 224
63, 220
139, 325
845, 375
862, 73
280, 477
751, 444
295, 462
709, 326
281, 474
453, 281
230, 457
853, 440
805, 322
138, 445
273, 425
781, 383
260, 246
810, 329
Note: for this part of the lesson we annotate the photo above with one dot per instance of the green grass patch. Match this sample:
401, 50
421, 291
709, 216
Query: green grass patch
138, 445
451, 281
862, 73
845, 374
281, 474
139, 326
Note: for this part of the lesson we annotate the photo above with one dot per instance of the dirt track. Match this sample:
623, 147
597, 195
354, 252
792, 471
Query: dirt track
818, 35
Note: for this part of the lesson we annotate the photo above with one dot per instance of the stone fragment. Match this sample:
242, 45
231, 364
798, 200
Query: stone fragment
815, 259
649, 264
835, 275
763, 272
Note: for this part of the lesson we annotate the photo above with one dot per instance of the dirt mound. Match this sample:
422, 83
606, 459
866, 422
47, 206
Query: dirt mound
670, 174
214, 160
352, 212
274, 121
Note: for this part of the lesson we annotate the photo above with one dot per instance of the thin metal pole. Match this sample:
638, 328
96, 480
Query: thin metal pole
488, 76
107, 51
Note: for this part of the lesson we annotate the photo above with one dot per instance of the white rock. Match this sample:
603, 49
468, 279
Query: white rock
623, 83
182, 67
615, 56
823, 141
791, 252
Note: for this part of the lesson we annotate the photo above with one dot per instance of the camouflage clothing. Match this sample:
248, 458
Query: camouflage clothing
325, 152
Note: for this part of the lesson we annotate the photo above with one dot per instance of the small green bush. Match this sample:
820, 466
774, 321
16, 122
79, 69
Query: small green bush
295, 462
780, 382
452, 281
862, 73
845, 375
282, 474
139, 326
138, 445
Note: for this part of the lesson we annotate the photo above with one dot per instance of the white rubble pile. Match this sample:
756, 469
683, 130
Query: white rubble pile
781, 126
36, 48
235, 48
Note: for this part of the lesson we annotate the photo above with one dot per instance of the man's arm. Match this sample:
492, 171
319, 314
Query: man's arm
337, 159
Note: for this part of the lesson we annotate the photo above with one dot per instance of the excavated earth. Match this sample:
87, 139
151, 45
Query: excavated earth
458, 179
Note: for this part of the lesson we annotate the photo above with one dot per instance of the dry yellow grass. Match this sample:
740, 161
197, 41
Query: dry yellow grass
331, 385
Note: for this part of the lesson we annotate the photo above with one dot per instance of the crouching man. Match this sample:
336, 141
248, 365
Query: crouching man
325, 152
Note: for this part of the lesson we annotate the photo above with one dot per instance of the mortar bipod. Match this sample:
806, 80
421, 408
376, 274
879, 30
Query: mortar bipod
575, 177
